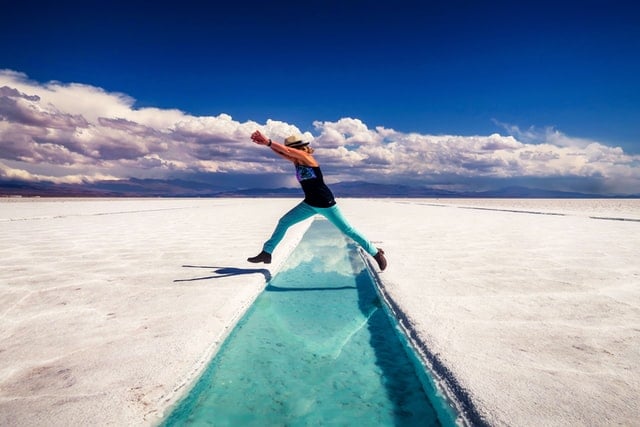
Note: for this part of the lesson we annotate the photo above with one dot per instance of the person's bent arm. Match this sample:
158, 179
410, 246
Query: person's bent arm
292, 154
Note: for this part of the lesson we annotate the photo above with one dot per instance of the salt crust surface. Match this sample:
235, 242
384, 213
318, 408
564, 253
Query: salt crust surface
110, 308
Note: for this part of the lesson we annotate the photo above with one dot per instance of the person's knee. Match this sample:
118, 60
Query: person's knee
285, 222
350, 231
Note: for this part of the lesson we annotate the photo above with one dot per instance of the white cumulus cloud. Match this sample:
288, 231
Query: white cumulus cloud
75, 132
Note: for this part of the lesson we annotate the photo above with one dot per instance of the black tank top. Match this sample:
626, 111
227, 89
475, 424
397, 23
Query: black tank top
316, 192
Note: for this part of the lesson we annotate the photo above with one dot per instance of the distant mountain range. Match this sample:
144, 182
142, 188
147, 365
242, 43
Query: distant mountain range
183, 188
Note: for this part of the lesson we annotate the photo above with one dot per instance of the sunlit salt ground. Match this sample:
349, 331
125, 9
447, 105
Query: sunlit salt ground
527, 311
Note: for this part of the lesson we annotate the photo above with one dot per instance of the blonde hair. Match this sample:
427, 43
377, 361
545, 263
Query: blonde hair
308, 149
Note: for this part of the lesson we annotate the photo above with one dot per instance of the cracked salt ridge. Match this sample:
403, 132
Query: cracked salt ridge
40, 218
439, 380
614, 218
281, 365
606, 218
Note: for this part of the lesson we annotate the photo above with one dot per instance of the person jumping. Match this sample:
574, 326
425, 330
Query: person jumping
318, 199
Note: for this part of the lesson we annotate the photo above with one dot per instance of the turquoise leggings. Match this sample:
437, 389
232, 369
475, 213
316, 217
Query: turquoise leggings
304, 211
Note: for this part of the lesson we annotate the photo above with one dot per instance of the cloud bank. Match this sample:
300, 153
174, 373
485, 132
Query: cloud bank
71, 133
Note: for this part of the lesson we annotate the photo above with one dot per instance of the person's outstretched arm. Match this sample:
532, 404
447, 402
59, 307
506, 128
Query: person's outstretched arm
291, 154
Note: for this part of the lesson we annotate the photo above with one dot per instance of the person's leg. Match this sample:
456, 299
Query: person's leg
299, 213
334, 215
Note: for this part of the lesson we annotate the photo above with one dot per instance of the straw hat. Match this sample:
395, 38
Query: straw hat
295, 141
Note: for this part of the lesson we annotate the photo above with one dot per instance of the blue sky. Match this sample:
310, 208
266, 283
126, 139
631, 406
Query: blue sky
539, 72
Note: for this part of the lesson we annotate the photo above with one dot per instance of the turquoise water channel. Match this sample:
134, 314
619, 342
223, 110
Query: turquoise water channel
316, 348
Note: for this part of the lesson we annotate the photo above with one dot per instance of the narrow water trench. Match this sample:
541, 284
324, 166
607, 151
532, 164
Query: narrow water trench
316, 348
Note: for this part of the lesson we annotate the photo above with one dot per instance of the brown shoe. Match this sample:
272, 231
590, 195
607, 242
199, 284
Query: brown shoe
261, 257
380, 259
